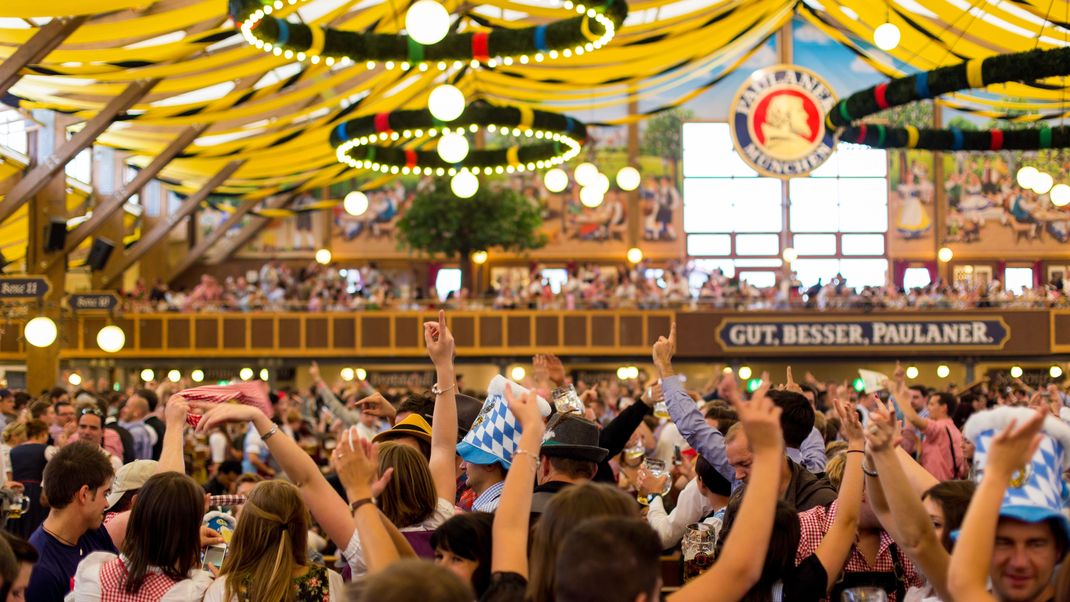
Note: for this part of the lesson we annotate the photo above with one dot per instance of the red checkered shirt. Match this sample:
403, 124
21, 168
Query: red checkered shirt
247, 393
814, 523
226, 500
113, 574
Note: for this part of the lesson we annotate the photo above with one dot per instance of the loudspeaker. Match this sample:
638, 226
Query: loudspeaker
55, 235
99, 254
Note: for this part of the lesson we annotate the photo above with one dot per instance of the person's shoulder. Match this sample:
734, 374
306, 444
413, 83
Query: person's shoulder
99, 540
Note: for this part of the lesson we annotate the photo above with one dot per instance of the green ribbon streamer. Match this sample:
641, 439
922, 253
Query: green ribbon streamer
1045, 137
416, 51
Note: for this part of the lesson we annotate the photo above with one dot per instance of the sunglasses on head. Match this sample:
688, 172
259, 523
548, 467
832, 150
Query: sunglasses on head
93, 411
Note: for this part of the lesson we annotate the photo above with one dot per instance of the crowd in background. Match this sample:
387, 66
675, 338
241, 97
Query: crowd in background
315, 288
754, 490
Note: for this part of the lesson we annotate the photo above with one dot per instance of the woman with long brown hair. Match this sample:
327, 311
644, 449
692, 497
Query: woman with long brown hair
161, 550
268, 556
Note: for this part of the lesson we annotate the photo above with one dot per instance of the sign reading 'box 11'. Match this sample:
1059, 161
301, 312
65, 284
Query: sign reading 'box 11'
982, 333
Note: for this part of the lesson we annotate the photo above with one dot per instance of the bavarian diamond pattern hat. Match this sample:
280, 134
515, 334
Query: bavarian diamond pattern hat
1038, 492
495, 432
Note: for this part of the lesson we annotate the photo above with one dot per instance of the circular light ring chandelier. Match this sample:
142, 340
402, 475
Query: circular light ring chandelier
590, 30
373, 142
976, 73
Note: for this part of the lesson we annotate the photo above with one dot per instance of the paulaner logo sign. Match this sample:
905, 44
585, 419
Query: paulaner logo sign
917, 334
778, 121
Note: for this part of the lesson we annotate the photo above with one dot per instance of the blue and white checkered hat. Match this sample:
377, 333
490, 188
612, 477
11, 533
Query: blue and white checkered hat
1038, 493
495, 433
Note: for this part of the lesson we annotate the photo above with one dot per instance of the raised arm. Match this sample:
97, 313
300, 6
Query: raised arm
511, 521
1009, 451
440, 347
703, 438
913, 529
347, 416
836, 545
740, 564
902, 399
326, 506
172, 456
357, 463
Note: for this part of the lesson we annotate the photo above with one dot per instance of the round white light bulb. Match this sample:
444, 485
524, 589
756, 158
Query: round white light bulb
622, 373
1042, 183
886, 36
40, 331
591, 196
945, 254
601, 182
1026, 175
264, 374
1055, 371
361, 374
323, 256
111, 339
347, 374
912, 372
943, 371
355, 203
197, 375
245, 373
1016, 371
427, 22
628, 178
465, 184
518, 373
479, 257
174, 376
555, 180
147, 375
446, 102
585, 174
635, 255
74, 379
1060, 195
790, 255
453, 148
745, 372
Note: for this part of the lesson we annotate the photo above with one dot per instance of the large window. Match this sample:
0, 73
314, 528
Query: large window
738, 221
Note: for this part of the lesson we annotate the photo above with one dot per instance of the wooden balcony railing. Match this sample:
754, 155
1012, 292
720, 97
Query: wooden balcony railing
620, 333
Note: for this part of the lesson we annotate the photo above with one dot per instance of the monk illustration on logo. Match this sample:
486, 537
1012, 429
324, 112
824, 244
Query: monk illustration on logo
786, 128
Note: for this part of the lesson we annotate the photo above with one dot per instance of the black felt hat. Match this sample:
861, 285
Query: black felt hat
570, 436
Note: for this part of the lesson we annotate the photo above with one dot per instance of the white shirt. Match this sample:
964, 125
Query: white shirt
335, 584
691, 506
354, 553
87, 582
218, 443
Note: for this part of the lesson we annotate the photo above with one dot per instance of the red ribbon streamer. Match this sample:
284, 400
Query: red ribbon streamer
480, 51
997, 140
879, 94
382, 122
861, 133
410, 158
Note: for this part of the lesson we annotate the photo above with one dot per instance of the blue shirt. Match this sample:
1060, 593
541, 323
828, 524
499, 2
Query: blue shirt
54, 572
142, 439
489, 499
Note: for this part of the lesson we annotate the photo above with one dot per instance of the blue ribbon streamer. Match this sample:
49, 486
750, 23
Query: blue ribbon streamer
921, 85
284, 32
540, 38
956, 144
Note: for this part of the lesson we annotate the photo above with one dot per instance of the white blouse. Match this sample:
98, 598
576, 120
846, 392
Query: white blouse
336, 588
87, 582
354, 553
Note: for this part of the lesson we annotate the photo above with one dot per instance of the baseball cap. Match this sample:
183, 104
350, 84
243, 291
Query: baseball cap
130, 478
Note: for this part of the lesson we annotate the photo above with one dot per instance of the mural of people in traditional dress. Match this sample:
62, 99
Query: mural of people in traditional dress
911, 203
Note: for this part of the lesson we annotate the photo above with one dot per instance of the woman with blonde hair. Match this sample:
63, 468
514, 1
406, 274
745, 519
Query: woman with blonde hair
268, 557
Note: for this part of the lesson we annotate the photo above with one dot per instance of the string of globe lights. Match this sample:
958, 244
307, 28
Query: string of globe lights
427, 42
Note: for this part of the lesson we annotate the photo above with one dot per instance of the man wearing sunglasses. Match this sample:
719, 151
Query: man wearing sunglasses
91, 430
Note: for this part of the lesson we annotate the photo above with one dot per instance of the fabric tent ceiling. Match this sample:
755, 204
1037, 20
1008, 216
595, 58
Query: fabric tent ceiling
279, 125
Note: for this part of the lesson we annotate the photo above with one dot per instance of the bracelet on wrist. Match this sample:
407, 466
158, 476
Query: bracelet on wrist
270, 433
436, 390
355, 505
868, 471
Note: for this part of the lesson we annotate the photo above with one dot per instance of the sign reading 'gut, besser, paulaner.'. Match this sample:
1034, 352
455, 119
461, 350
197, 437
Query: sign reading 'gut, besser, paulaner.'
860, 333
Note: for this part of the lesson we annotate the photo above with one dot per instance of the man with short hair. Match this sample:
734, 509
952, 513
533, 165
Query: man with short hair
942, 450
132, 418
225, 479
91, 430
631, 573
569, 456
64, 416
76, 483
58, 394
153, 420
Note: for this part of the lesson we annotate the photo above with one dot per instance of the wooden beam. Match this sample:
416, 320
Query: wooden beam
208, 242
105, 207
157, 234
244, 235
40, 174
37, 48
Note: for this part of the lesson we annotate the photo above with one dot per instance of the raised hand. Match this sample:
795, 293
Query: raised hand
664, 349
356, 461
791, 385
1014, 447
900, 373
439, 340
761, 421
852, 426
220, 413
314, 372
556, 369
525, 408
539, 371
377, 405
175, 411
883, 428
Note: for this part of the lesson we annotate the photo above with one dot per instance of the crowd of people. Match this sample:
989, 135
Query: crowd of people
315, 288
551, 489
